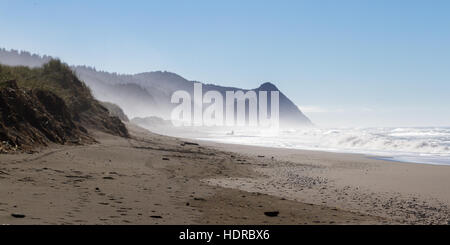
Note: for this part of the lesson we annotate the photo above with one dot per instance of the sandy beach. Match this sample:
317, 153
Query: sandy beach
154, 179
405, 193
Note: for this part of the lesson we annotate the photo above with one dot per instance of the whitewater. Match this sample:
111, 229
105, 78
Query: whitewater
429, 145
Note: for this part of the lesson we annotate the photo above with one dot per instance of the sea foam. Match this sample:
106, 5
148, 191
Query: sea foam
419, 145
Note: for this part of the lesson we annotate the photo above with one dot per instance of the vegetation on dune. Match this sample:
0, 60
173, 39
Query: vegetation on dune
53, 76
49, 103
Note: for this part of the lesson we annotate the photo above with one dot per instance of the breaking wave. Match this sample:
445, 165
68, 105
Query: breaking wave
420, 145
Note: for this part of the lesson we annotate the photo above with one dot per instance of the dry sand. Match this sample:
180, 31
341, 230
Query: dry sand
154, 179
407, 193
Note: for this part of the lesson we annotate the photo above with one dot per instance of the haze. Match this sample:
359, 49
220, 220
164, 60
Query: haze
344, 63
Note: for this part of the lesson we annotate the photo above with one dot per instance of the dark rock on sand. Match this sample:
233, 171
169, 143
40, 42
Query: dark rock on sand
19, 216
272, 213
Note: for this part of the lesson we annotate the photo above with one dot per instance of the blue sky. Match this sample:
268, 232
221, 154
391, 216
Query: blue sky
345, 63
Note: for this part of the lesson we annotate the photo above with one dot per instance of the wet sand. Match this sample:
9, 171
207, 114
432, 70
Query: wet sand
154, 179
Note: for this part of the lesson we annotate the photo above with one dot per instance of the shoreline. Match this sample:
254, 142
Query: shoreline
407, 155
382, 157
156, 179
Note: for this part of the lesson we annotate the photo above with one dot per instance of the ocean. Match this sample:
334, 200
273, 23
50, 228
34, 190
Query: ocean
427, 145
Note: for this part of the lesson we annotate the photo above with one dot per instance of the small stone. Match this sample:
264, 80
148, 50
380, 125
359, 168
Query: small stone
19, 216
272, 213
156, 217
165, 159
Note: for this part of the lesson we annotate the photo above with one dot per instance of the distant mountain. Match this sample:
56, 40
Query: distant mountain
148, 94
22, 58
158, 88
122, 90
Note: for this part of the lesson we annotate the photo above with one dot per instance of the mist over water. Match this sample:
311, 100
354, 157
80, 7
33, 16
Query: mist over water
146, 95
419, 145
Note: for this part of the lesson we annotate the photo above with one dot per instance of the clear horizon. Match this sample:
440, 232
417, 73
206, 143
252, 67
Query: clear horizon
345, 64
